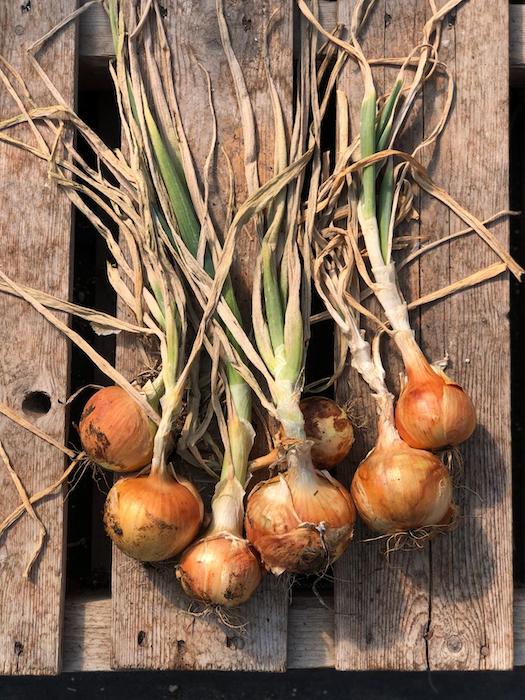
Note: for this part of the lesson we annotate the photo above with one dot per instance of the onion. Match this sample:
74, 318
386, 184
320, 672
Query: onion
300, 521
153, 517
115, 432
329, 428
398, 488
433, 412
222, 567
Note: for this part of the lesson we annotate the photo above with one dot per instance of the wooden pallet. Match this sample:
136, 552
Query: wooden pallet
449, 607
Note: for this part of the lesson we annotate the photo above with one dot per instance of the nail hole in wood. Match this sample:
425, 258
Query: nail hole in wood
36, 403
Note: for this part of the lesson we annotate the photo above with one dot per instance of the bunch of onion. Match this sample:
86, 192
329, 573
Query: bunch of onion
399, 491
220, 568
433, 412
301, 520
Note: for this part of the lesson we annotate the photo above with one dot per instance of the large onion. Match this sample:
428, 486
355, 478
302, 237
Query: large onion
115, 432
433, 412
300, 521
153, 517
398, 489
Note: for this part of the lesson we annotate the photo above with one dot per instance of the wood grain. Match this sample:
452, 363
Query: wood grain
96, 42
87, 633
471, 595
169, 636
381, 608
35, 229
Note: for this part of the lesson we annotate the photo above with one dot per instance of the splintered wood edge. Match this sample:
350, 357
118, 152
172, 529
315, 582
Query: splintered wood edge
96, 42
87, 633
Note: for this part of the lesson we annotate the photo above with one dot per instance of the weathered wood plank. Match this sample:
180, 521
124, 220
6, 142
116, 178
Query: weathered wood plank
35, 229
172, 638
471, 595
87, 633
381, 609
96, 42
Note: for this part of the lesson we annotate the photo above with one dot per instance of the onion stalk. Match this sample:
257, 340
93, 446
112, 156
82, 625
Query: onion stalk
302, 520
431, 403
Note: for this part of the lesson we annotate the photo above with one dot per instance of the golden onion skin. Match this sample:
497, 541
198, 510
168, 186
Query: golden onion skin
299, 530
433, 412
220, 569
401, 489
115, 432
330, 429
153, 517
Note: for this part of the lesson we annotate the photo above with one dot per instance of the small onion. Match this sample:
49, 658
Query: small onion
432, 412
329, 428
300, 521
222, 567
153, 517
115, 432
397, 488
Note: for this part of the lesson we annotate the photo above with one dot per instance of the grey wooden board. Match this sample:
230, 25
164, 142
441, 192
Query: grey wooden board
35, 229
471, 585
87, 633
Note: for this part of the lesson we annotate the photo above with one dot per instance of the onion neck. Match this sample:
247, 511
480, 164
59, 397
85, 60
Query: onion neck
227, 508
416, 364
387, 434
390, 297
288, 410
171, 406
240, 433
301, 473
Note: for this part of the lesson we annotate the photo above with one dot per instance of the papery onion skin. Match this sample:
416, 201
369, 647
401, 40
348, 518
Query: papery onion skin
432, 412
401, 489
435, 413
115, 432
220, 569
153, 517
299, 522
330, 429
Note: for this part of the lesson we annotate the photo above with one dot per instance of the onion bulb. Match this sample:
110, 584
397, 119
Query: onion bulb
432, 412
329, 428
300, 521
398, 488
115, 432
222, 567
153, 517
